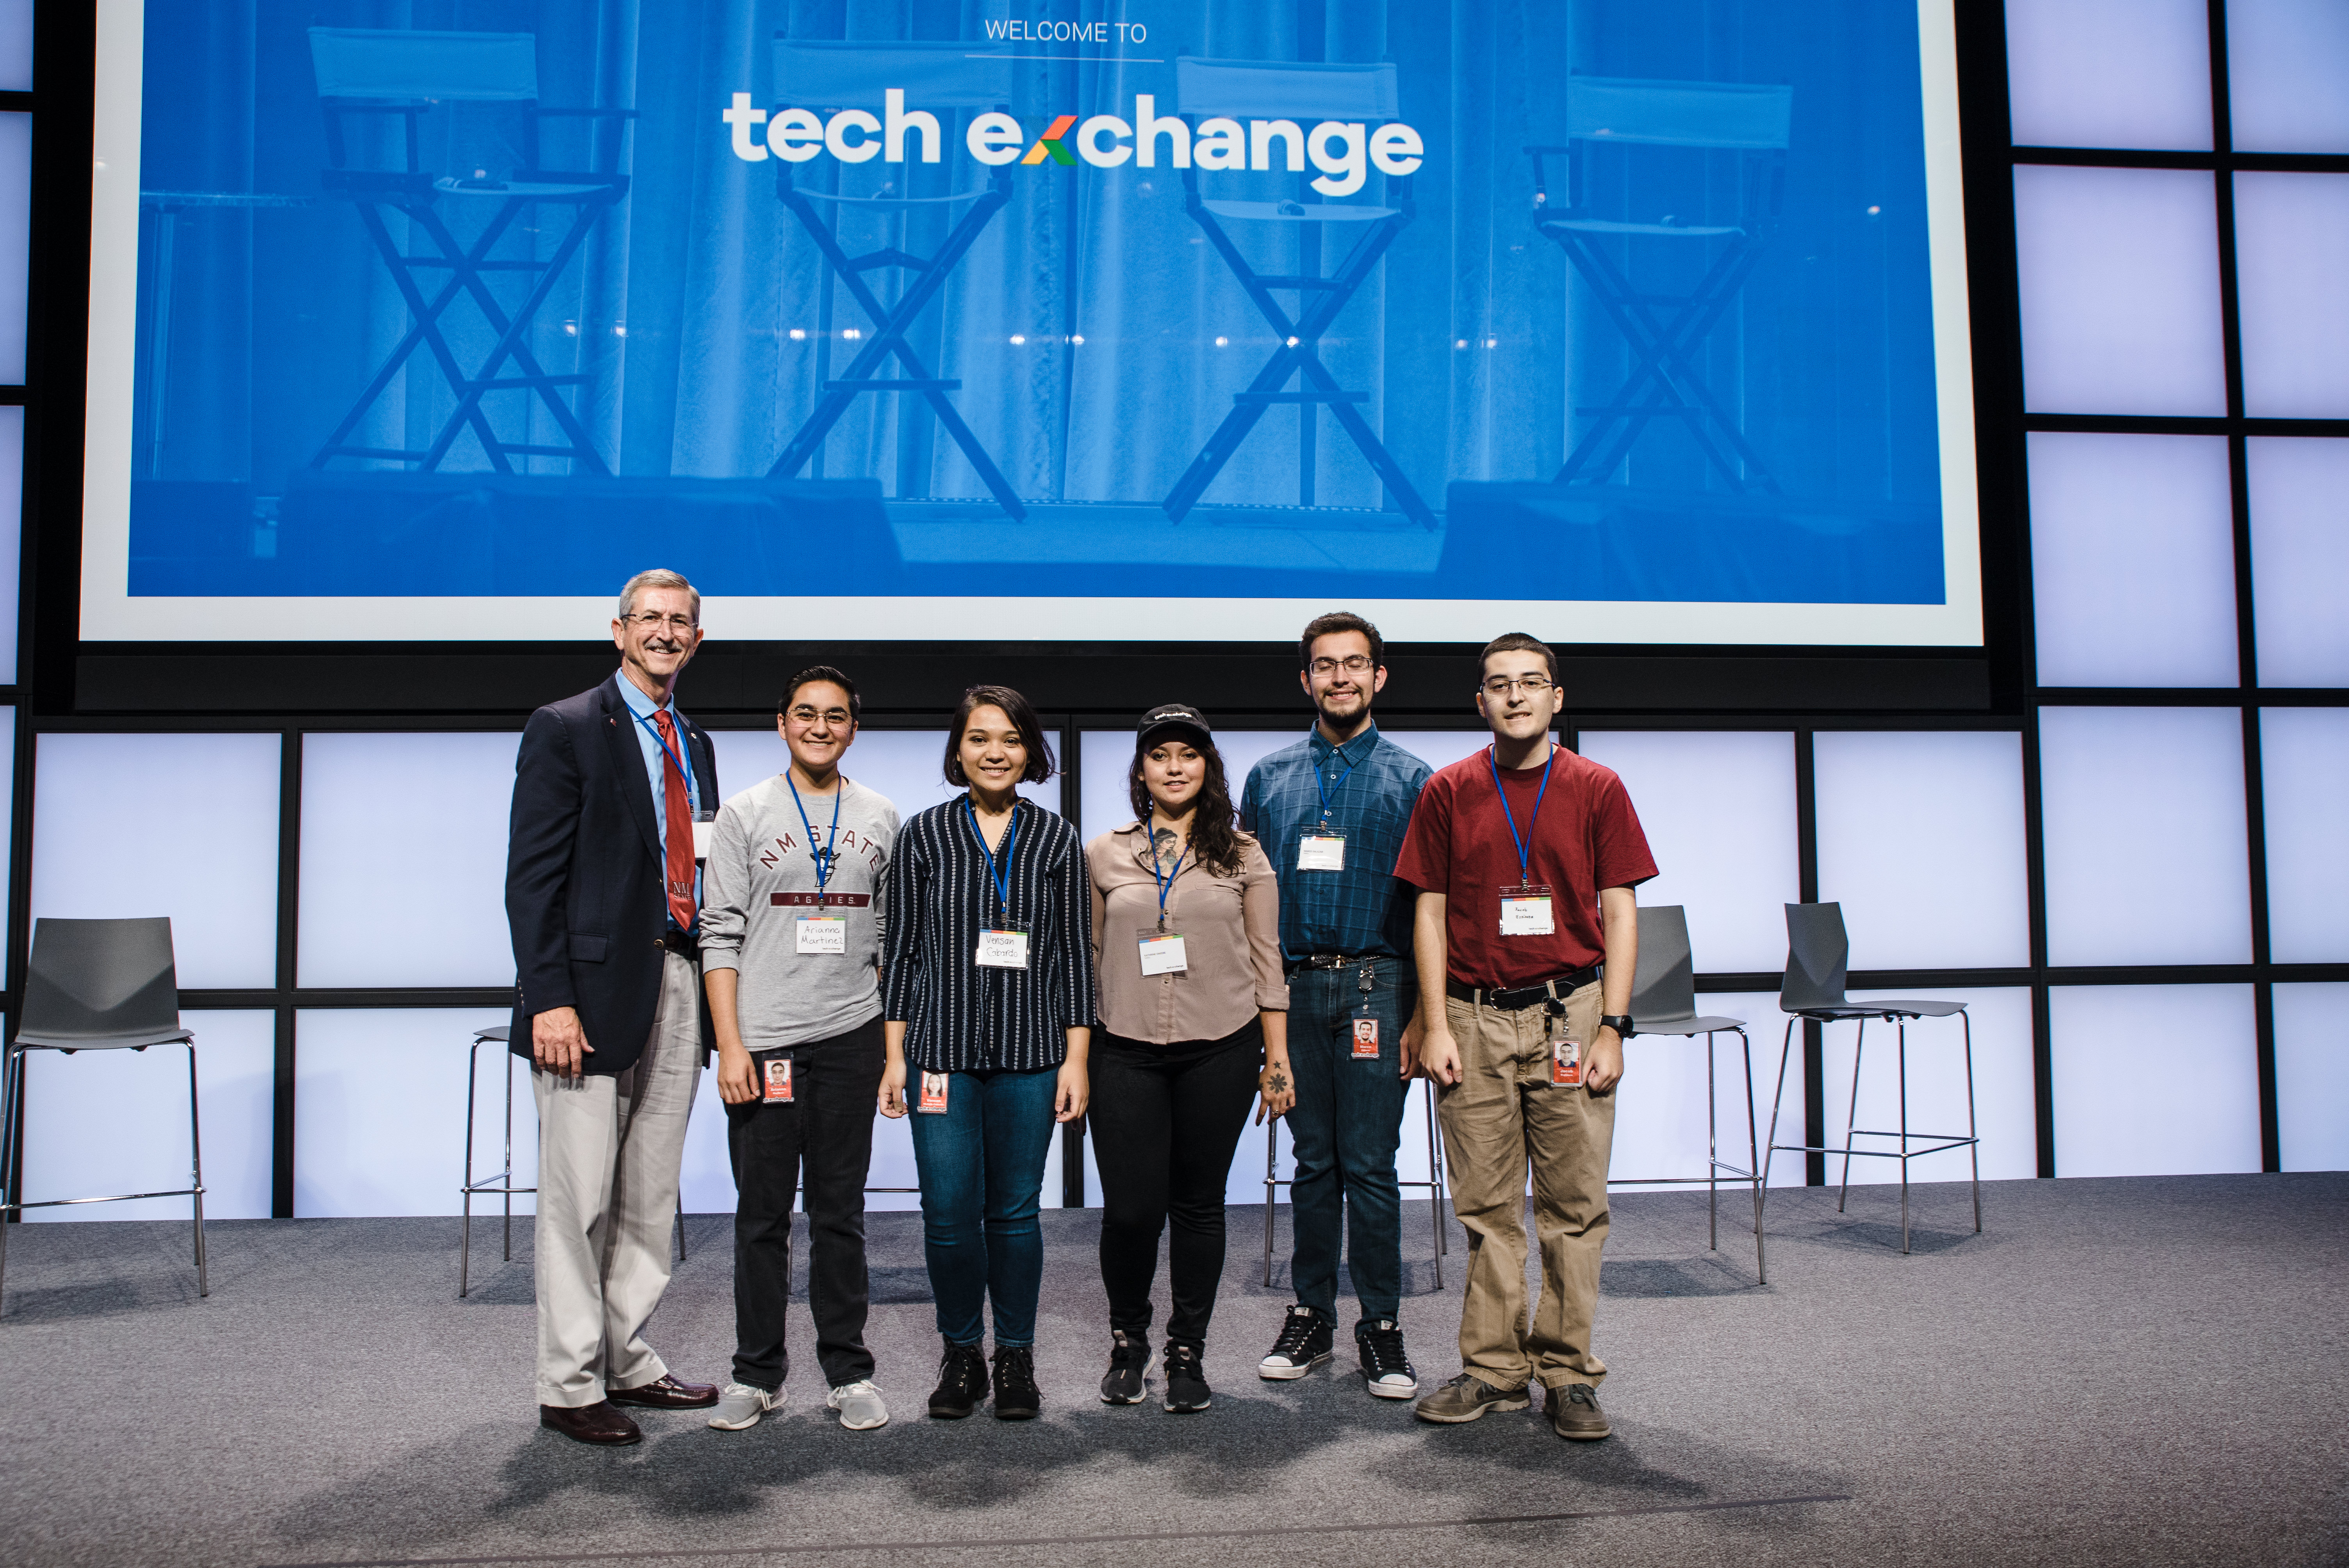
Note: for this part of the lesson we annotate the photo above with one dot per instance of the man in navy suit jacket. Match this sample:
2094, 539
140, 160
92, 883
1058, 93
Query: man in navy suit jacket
601, 899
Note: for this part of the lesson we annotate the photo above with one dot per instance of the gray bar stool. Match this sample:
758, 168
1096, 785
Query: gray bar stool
99, 985
1663, 1002
500, 1183
1817, 954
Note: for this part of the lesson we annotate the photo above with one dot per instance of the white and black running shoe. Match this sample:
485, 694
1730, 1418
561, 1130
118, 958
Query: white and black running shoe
1129, 1369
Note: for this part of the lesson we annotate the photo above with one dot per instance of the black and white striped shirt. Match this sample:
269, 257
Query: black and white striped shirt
960, 1017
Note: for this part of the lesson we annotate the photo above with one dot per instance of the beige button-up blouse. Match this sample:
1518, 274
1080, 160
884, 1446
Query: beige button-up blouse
1231, 937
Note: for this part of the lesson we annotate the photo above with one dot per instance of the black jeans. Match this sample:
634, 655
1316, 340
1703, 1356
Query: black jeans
828, 1129
1166, 1121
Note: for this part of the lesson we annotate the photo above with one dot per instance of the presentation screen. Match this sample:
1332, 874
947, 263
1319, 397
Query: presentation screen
1610, 320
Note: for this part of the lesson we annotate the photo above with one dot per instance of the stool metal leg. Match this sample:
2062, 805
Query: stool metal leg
12, 1068
1752, 1156
1785, 1045
680, 1223
1904, 1136
1435, 1185
465, 1225
1270, 1145
1973, 1147
1851, 1116
196, 1154
1712, 1157
508, 1194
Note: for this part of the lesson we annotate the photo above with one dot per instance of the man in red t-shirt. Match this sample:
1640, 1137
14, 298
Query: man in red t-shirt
1525, 856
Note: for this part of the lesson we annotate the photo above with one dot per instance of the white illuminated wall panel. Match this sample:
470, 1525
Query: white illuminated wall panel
1921, 841
1718, 808
100, 1122
2304, 779
2311, 1052
2292, 248
15, 237
12, 495
2005, 1104
1659, 1110
178, 825
2155, 1080
2119, 275
2109, 73
2132, 560
2145, 855
15, 46
379, 1112
2300, 558
2286, 60
404, 859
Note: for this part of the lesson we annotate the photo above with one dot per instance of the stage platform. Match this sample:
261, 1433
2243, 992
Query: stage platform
2145, 1371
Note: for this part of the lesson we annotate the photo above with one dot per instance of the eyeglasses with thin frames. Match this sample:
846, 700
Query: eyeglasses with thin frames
835, 717
1499, 686
1352, 664
652, 621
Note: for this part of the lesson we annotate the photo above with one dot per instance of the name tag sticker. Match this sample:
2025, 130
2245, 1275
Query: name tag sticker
1003, 949
1565, 1063
1163, 955
779, 1080
1525, 911
701, 831
823, 933
1322, 851
934, 1094
1366, 1039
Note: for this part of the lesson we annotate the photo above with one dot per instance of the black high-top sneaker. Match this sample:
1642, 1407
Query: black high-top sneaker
1387, 1371
962, 1382
1303, 1344
1017, 1398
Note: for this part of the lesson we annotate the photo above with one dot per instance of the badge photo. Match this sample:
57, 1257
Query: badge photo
779, 1080
1565, 1064
1366, 1039
933, 1093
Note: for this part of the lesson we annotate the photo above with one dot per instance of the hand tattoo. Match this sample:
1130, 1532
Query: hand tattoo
1278, 1082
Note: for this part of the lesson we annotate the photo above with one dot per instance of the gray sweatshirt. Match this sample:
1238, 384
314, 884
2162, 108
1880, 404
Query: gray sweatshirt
757, 884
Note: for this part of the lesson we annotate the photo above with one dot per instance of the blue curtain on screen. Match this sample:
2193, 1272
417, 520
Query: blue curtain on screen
1474, 340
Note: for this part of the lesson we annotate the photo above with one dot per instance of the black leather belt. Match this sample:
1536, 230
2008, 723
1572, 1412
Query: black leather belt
1526, 995
1332, 960
681, 943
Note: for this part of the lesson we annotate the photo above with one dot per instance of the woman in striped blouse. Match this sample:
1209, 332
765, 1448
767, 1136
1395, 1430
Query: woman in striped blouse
987, 1010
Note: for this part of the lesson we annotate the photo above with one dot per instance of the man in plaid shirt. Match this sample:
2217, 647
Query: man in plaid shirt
1330, 811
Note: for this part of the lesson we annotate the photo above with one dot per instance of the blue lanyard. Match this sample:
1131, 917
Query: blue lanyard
1150, 844
1524, 854
1002, 878
682, 770
825, 857
1323, 785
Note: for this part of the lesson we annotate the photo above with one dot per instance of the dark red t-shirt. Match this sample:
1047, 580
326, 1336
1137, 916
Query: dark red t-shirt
1586, 837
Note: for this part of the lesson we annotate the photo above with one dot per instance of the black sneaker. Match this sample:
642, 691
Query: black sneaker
1017, 1398
1387, 1371
1187, 1379
962, 1383
1304, 1343
1129, 1368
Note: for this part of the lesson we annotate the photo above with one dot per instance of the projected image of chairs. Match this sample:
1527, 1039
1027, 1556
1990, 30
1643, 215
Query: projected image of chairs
370, 79
1242, 92
1620, 256
812, 76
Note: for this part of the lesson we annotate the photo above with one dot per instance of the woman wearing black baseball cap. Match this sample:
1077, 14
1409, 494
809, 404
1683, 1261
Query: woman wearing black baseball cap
1193, 1009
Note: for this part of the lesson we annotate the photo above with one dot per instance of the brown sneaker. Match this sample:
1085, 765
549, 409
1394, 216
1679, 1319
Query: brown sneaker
1467, 1396
1574, 1413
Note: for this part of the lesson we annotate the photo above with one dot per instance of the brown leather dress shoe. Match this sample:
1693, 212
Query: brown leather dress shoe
597, 1423
666, 1392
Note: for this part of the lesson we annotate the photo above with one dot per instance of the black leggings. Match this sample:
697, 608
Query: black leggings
1166, 1121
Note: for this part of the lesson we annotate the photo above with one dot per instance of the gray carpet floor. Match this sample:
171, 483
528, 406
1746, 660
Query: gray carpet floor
2149, 1371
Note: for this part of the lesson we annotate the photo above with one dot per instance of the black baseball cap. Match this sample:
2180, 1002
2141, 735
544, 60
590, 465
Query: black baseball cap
1172, 716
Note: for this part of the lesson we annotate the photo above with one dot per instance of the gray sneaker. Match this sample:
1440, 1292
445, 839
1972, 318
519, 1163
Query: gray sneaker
740, 1406
1467, 1396
1574, 1413
859, 1404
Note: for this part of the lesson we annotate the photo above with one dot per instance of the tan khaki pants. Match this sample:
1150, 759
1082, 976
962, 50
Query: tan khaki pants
1503, 1114
609, 1147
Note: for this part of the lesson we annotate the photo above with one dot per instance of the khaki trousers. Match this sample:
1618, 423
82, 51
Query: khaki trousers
1501, 1117
609, 1149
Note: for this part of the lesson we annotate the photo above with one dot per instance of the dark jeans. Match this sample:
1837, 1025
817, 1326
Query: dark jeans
982, 1164
1346, 1129
826, 1129
1166, 1121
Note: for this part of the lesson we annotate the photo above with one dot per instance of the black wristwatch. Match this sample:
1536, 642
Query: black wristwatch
1619, 1021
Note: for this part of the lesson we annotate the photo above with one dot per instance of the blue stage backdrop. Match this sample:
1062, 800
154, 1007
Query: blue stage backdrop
1600, 302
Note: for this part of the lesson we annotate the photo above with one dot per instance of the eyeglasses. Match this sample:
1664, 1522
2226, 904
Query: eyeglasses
652, 621
1532, 686
834, 717
1352, 664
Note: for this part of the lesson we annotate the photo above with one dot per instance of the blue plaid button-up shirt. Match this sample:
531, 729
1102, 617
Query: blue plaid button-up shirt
1363, 909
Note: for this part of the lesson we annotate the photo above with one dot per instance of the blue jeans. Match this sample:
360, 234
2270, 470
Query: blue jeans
1346, 1128
982, 1164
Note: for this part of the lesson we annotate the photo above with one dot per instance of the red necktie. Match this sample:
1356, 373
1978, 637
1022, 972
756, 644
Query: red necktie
677, 831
